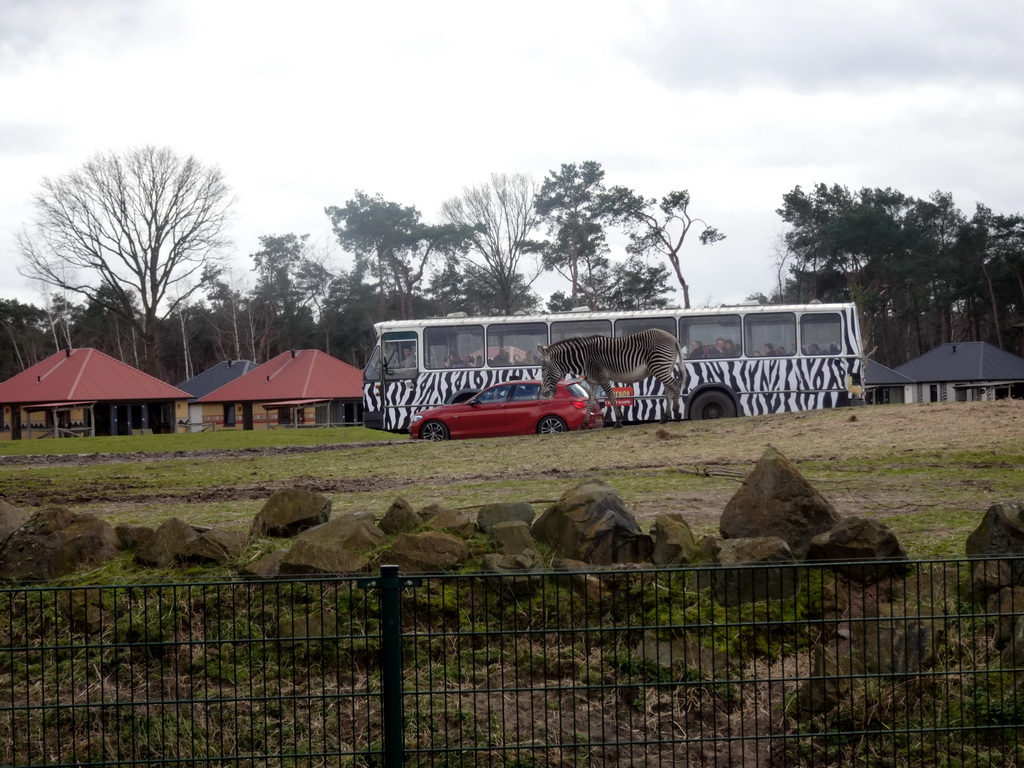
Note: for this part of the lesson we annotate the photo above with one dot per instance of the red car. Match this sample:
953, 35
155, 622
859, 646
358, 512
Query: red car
512, 408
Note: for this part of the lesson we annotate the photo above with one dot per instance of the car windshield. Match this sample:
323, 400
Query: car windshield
577, 389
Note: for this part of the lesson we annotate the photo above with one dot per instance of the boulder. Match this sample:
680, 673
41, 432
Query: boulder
591, 523
896, 640
458, 521
83, 608
685, 652
291, 511
578, 577
163, 547
11, 519
133, 536
736, 581
1001, 533
864, 550
776, 500
400, 518
830, 682
266, 567
356, 534
216, 546
1005, 606
512, 537
429, 552
989, 577
308, 558
56, 542
513, 582
673, 540
491, 515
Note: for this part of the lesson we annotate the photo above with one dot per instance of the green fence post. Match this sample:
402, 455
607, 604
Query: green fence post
391, 665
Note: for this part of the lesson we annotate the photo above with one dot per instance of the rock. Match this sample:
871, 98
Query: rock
776, 500
989, 577
170, 539
591, 523
673, 540
895, 642
512, 537
1000, 533
504, 512
11, 519
346, 532
1006, 606
83, 608
579, 579
56, 542
291, 511
266, 567
400, 518
746, 584
829, 684
133, 536
458, 521
513, 582
215, 546
862, 540
306, 558
429, 552
685, 652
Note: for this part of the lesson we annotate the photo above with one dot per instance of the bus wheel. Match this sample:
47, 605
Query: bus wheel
712, 405
434, 430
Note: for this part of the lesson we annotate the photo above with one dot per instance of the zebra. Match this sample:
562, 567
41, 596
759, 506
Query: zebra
627, 359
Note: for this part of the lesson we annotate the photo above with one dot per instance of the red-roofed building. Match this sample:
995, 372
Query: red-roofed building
304, 387
83, 392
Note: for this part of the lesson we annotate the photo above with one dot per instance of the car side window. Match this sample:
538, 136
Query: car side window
526, 392
494, 395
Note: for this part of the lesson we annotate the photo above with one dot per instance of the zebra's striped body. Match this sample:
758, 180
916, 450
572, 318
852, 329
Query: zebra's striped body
602, 360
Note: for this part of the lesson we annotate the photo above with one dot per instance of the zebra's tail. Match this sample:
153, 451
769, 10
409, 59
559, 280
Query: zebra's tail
683, 378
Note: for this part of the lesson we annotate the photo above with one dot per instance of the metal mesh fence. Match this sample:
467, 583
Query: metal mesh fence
794, 665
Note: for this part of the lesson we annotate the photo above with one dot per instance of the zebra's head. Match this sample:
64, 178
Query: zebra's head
551, 373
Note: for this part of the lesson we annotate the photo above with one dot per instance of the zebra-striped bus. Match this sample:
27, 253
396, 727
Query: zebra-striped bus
742, 360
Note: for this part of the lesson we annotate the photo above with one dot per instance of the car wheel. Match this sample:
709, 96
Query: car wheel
434, 430
712, 405
549, 425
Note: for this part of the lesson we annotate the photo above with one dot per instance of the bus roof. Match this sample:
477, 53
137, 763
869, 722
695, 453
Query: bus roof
723, 309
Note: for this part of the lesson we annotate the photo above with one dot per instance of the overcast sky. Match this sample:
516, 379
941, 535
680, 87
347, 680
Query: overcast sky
302, 103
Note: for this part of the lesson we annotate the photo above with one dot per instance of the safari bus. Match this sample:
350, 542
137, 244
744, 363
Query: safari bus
741, 360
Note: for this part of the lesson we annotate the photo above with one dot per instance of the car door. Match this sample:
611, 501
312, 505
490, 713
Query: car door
484, 415
522, 410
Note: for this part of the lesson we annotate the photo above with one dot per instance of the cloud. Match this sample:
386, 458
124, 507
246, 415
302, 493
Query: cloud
831, 46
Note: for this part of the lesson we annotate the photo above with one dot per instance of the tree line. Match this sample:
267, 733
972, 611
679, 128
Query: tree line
129, 246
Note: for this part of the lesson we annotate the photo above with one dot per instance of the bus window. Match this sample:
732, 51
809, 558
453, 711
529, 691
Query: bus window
400, 359
711, 336
629, 325
770, 335
453, 346
515, 343
821, 334
566, 329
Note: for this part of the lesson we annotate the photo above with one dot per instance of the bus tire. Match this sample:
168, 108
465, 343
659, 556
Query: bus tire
712, 405
434, 431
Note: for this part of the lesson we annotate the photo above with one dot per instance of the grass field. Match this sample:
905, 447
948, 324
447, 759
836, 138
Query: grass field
929, 472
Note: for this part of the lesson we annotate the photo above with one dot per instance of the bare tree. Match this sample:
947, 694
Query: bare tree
142, 224
502, 216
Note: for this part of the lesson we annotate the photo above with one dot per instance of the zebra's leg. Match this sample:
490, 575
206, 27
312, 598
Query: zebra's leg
671, 400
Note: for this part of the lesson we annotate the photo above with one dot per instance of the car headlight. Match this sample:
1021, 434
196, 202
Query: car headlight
415, 418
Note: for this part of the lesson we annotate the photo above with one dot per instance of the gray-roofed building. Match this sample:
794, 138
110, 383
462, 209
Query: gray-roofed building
884, 385
209, 380
965, 371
